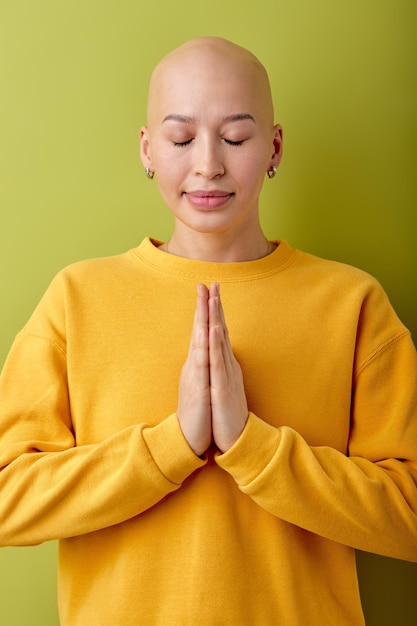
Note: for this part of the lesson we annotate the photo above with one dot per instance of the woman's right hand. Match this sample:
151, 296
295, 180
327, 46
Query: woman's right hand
194, 403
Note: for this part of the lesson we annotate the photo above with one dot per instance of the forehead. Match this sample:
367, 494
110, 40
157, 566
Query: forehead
209, 80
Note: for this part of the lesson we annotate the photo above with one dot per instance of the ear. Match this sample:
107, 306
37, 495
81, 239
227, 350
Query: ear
277, 141
145, 152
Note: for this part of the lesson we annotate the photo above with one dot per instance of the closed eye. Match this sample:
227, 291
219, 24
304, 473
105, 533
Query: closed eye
234, 143
182, 144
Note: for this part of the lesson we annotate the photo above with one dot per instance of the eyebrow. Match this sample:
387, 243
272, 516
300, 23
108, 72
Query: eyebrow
236, 117
179, 118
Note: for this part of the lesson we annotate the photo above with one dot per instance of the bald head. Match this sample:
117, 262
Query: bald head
210, 68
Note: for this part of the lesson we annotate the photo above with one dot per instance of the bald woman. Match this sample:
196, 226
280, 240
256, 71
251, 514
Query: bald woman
212, 424
211, 139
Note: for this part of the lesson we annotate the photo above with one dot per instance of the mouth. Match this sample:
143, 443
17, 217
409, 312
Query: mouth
202, 199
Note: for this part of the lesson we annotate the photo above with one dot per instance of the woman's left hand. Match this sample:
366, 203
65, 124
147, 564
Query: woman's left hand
229, 409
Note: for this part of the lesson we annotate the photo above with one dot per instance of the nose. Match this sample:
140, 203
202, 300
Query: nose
208, 158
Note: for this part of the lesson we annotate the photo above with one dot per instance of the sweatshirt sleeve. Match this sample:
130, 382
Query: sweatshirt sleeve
50, 488
366, 499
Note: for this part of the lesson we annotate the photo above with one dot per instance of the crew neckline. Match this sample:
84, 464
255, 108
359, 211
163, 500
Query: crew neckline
148, 252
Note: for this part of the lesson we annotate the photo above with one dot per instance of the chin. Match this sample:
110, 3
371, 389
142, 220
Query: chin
210, 224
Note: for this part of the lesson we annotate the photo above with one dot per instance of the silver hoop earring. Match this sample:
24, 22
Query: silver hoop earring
272, 172
149, 173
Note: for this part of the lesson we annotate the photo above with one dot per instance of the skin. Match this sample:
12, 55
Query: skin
211, 401
210, 140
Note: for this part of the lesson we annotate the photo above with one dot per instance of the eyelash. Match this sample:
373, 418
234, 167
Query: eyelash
182, 144
234, 143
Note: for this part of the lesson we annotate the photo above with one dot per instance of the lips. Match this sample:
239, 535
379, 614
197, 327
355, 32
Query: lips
202, 199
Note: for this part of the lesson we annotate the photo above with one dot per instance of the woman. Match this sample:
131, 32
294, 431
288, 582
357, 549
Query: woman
192, 478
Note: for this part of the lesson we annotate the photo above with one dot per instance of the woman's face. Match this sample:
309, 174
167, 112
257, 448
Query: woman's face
210, 140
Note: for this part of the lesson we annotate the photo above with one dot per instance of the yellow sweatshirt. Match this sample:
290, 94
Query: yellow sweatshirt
92, 453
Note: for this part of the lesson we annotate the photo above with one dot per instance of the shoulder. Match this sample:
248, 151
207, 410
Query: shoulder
332, 270
95, 268
334, 278
89, 283
344, 285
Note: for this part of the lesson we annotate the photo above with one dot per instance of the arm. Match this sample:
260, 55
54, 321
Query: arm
50, 487
367, 500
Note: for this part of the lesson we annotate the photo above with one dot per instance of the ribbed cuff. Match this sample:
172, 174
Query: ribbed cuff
170, 450
252, 452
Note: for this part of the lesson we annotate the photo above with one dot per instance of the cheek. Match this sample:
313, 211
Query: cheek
169, 163
254, 162
169, 181
166, 185
251, 174
169, 172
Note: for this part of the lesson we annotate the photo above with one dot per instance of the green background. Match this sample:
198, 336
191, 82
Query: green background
73, 82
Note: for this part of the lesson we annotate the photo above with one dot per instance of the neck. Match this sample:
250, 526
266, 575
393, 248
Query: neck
219, 248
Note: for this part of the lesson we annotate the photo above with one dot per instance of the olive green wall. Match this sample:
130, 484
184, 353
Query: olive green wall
72, 97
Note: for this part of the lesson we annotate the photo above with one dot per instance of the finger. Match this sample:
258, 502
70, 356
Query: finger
214, 292
223, 323
200, 326
220, 356
218, 368
199, 359
202, 317
216, 319
214, 305
202, 306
